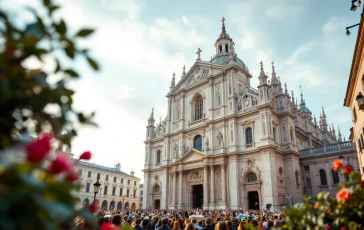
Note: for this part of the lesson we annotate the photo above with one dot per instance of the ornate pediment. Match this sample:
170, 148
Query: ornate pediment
192, 156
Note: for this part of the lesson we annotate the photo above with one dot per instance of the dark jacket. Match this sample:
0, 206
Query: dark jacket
137, 227
209, 228
163, 228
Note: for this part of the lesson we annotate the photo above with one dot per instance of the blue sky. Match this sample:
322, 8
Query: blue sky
139, 44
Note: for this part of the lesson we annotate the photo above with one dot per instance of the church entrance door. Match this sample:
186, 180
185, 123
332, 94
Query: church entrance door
197, 196
157, 204
253, 199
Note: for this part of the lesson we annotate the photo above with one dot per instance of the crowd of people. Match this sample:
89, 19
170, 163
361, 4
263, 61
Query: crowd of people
196, 219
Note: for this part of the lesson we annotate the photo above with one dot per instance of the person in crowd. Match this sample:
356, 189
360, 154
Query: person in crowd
164, 226
145, 224
116, 220
190, 226
137, 224
221, 225
209, 224
176, 226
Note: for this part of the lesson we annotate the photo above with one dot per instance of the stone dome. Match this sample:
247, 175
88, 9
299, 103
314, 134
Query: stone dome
222, 58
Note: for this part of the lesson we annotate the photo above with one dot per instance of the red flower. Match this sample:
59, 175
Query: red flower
94, 206
108, 226
362, 183
38, 150
85, 156
348, 169
337, 165
343, 228
343, 194
72, 177
60, 164
327, 227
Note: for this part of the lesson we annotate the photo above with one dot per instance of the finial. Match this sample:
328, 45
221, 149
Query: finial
199, 54
301, 95
261, 65
174, 74
273, 71
223, 31
223, 20
285, 88
184, 70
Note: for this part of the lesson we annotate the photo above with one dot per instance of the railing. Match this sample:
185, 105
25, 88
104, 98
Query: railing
328, 149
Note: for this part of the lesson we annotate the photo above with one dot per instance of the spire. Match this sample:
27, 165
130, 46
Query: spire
333, 130
173, 82
223, 31
262, 76
285, 88
314, 120
302, 101
324, 122
339, 134
184, 71
323, 113
293, 97
274, 79
151, 118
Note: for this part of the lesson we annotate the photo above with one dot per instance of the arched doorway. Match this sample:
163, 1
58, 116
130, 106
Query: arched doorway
112, 205
253, 198
126, 206
157, 204
133, 206
197, 196
119, 206
104, 204
85, 202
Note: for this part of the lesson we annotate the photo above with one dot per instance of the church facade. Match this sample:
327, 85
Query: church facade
225, 144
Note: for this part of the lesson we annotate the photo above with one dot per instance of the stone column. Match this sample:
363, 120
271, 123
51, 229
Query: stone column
180, 192
174, 189
212, 187
223, 184
205, 189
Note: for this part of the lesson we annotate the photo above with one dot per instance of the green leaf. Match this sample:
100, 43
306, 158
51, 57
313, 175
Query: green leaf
53, 8
84, 32
93, 63
61, 27
71, 72
70, 51
58, 66
46, 2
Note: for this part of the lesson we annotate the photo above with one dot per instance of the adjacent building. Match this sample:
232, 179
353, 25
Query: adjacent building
118, 190
225, 144
354, 96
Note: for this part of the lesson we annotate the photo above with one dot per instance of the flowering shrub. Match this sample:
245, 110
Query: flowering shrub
344, 212
36, 196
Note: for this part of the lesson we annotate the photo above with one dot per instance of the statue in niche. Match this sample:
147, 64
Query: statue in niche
220, 140
207, 144
240, 107
175, 150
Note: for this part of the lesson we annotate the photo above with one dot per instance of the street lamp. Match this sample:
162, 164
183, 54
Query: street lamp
96, 189
360, 101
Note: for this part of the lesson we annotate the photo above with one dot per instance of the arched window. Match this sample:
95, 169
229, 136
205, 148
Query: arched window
198, 108
158, 157
323, 177
297, 175
249, 136
274, 134
85, 202
291, 134
226, 48
335, 177
197, 143
252, 177
280, 171
220, 48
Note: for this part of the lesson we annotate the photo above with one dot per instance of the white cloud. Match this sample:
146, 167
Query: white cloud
304, 48
283, 11
125, 91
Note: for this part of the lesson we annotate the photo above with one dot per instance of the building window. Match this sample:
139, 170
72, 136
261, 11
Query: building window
141, 193
127, 192
198, 108
291, 134
114, 178
98, 176
306, 168
122, 180
88, 187
280, 172
113, 191
197, 143
105, 190
335, 177
323, 177
308, 182
121, 192
354, 114
134, 183
80, 172
107, 177
134, 193
158, 157
249, 136
89, 174
274, 134
252, 177
128, 182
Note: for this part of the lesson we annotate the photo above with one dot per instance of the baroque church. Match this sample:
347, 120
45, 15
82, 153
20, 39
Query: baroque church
225, 144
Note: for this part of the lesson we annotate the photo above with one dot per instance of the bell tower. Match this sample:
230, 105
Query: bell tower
224, 44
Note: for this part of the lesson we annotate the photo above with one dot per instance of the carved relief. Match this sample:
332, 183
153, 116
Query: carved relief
196, 176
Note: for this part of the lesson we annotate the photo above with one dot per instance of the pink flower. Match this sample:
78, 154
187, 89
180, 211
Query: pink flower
348, 169
343, 228
327, 227
108, 226
38, 150
337, 165
72, 177
94, 206
85, 156
60, 164
343, 195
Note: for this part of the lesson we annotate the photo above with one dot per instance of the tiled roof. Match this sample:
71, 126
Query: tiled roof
115, 170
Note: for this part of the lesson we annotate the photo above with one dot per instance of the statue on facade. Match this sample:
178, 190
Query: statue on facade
207, 144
